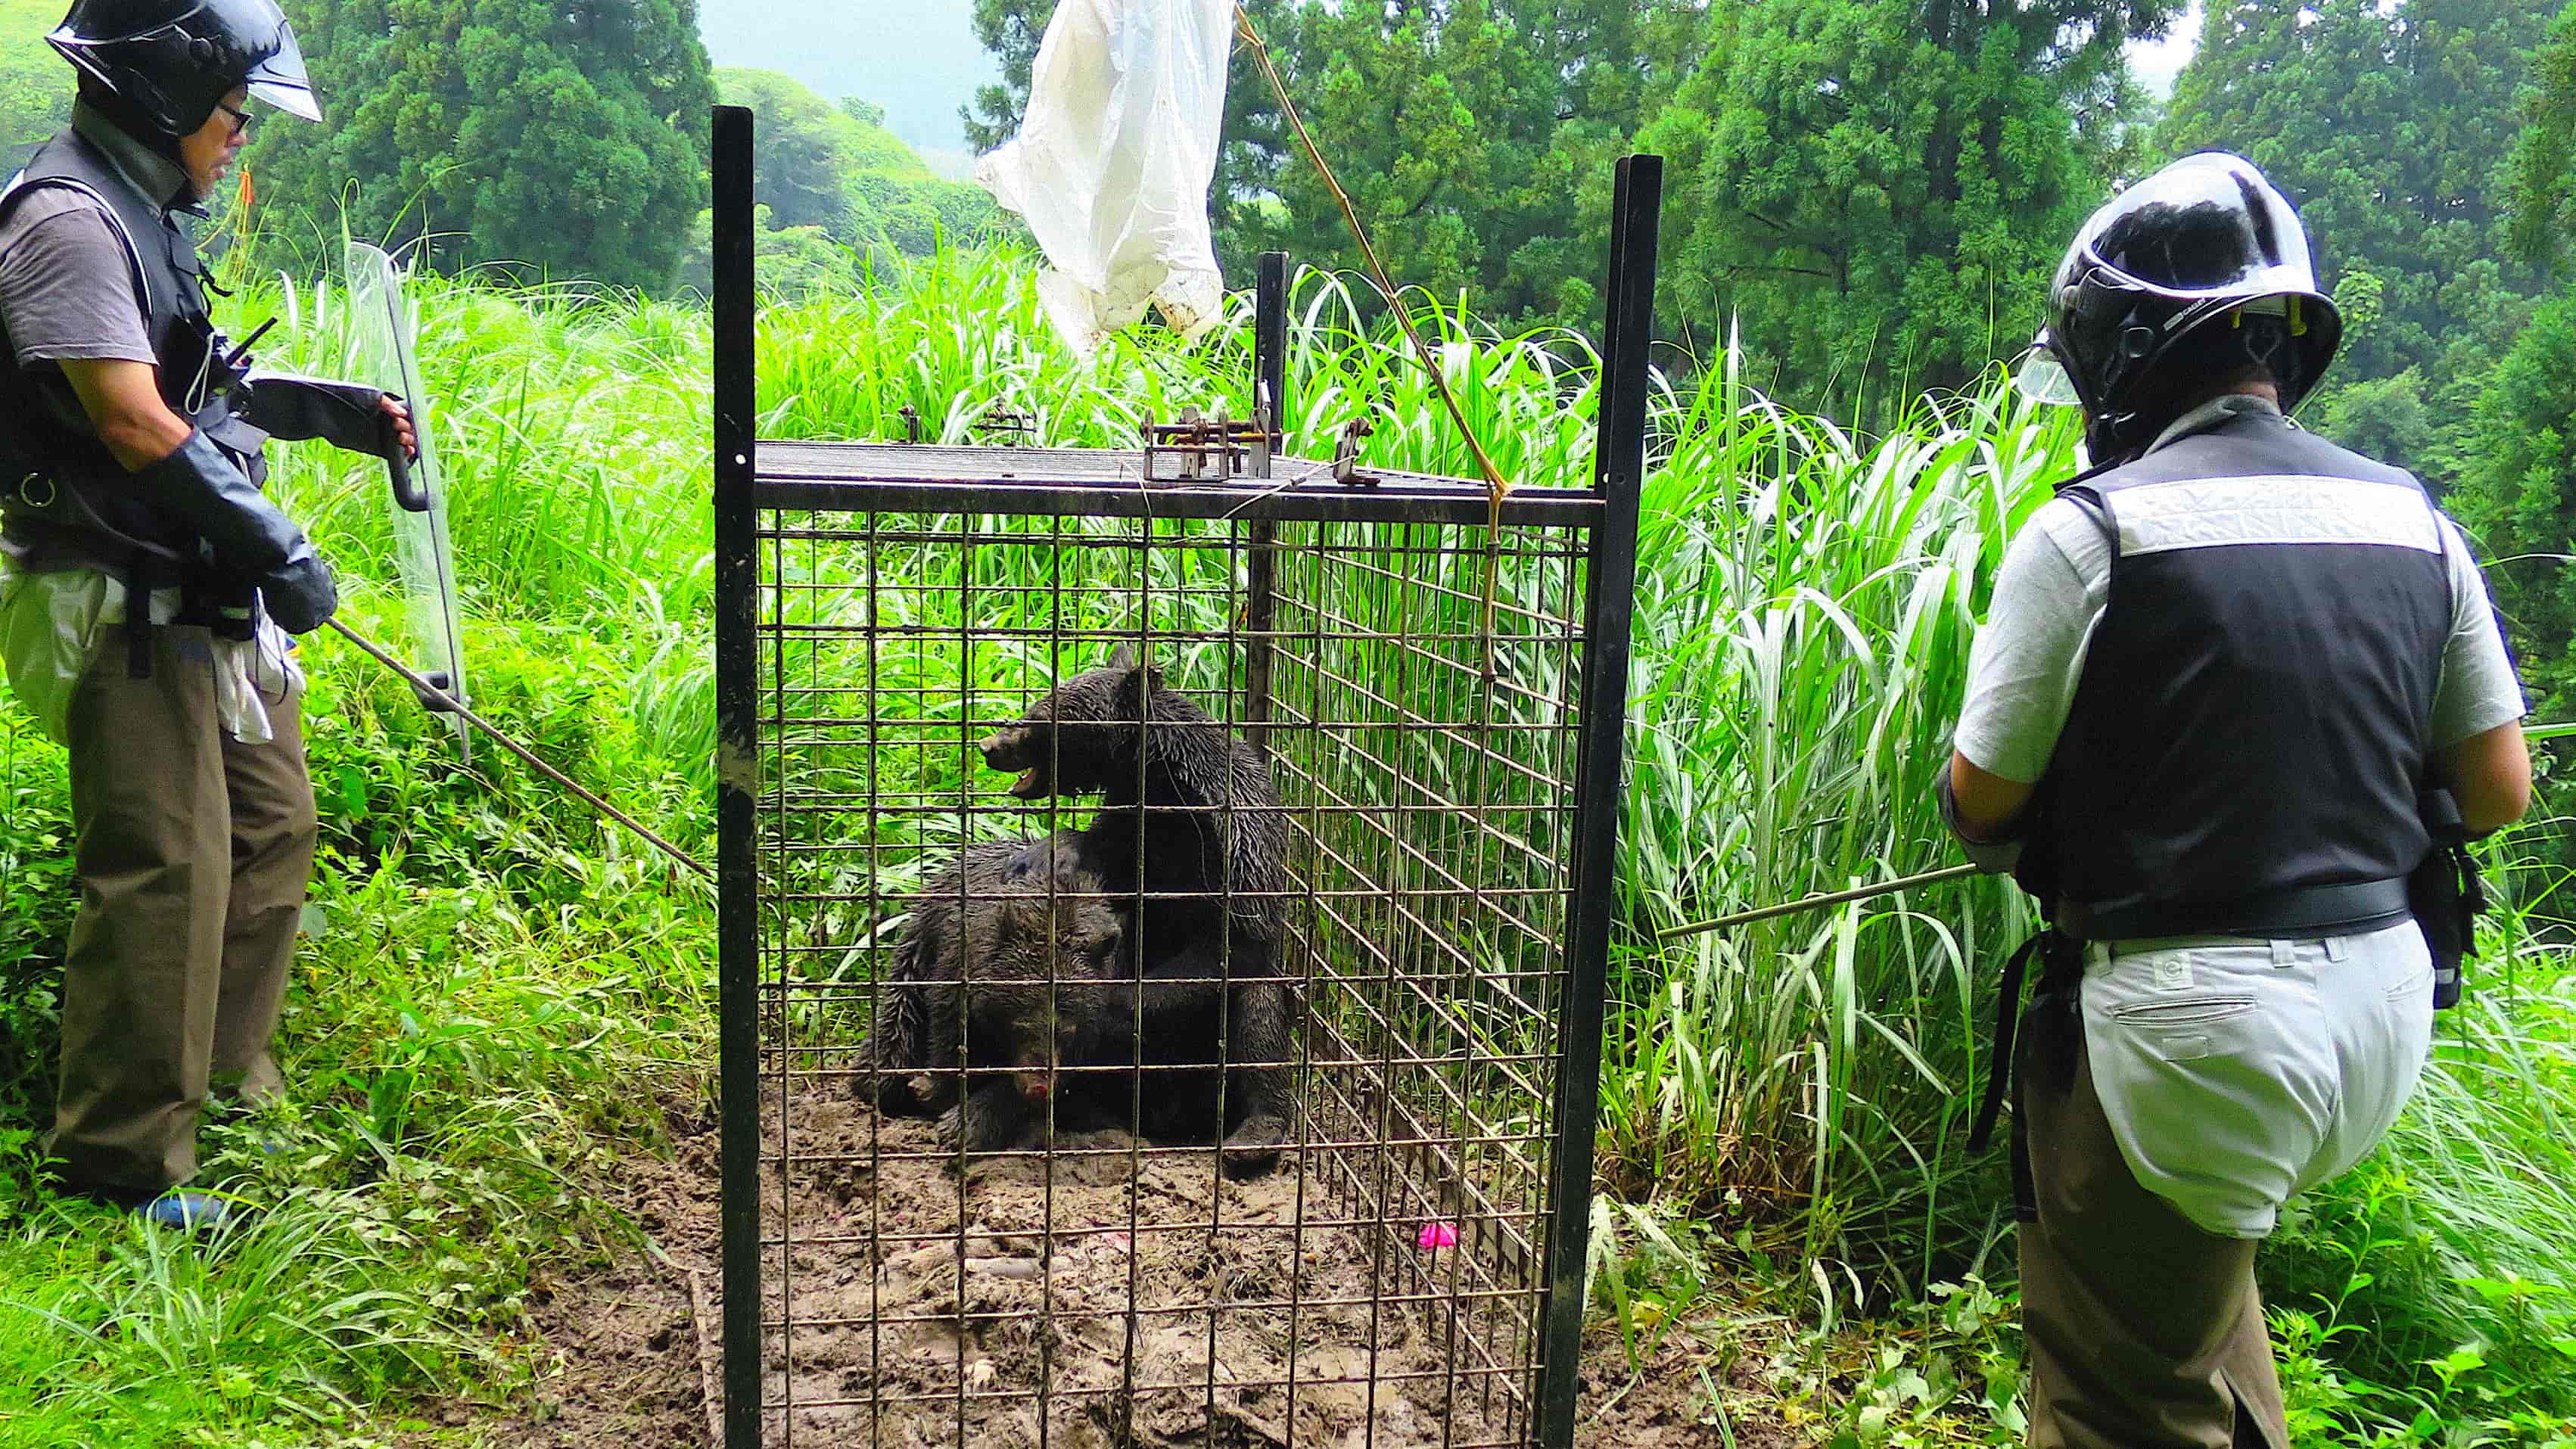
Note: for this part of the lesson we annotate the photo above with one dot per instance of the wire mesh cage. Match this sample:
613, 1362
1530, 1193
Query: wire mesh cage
1164, 916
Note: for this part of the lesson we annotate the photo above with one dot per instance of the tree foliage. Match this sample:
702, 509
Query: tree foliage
1884, 184
563, 138
1858, 180
1467, 136
2544, 174
1011, 29
2518, 496
2384, 124
806, 151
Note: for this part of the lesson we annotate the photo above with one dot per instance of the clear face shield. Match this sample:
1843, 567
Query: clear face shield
2041, 378
281, 79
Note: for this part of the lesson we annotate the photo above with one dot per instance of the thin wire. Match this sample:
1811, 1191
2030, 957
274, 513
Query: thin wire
1808, 903
444, 700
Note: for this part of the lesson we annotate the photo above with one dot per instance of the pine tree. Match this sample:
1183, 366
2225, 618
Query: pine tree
562, 139
2518, 493
1877, 189
2544, 163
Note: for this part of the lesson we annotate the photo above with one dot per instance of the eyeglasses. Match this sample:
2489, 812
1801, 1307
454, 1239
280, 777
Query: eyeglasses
241, 119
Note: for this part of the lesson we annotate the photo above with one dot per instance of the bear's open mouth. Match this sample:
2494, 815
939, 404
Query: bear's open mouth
1028, 786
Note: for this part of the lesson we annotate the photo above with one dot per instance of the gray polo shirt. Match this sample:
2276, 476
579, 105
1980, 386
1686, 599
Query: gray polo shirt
66, 286
2049, 596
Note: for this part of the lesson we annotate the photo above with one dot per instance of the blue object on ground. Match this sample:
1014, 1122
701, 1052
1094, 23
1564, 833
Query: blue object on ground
186, 1211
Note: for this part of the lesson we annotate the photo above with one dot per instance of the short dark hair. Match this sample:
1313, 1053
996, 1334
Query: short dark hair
2226, 352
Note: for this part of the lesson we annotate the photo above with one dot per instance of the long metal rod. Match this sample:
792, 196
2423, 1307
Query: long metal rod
737, 541
1809, 903
452, 705
1619, 472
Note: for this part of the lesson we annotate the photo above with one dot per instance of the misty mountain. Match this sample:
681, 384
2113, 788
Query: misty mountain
916, 58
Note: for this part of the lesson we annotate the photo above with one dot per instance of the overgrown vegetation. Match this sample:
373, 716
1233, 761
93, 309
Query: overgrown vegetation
506, 992
35, 94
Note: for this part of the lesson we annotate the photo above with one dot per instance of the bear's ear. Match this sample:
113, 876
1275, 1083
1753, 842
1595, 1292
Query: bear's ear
1123, 657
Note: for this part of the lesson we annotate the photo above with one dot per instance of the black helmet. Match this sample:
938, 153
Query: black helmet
170, 61
2204, 243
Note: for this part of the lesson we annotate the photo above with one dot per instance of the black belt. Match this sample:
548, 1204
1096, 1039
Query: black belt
2327, 910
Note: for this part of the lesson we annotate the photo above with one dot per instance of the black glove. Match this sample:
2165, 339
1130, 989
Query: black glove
344, 414
301, 597
201, 486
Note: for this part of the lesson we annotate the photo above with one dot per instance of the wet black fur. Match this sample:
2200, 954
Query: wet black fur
1016, 938
1188, 813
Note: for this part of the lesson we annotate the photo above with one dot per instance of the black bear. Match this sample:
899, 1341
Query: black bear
1006, 955
1194, 848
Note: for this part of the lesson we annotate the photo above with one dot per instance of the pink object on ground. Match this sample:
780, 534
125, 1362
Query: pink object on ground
1438, 1235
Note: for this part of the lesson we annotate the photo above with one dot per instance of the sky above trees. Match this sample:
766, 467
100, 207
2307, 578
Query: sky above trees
918, 59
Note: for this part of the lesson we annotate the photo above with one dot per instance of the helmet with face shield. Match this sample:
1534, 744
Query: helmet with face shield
169, 62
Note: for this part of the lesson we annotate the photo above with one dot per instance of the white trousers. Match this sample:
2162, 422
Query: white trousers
2239, 1073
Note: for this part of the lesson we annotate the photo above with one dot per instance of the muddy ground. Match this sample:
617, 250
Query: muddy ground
1035, 1323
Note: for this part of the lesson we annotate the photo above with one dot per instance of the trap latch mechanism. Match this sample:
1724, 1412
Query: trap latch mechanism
1346, 454
1198, 447
1003, 425
999, 424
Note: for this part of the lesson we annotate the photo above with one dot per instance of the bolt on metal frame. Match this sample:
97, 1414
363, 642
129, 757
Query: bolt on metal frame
1450, 852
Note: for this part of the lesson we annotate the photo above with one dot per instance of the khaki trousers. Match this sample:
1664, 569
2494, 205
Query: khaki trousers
2145, 1332
193, 853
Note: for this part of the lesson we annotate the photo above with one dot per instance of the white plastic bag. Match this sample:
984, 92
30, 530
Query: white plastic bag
1113, 161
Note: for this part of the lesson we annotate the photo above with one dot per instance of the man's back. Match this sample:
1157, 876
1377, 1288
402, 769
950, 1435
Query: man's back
2256, 703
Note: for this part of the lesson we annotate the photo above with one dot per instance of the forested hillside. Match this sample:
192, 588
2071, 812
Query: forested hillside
2518, 456
838, 191
2391, 128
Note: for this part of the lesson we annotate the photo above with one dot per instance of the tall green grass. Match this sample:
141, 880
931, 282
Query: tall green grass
502, 973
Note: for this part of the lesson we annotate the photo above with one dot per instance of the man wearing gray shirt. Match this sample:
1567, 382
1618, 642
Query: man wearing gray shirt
2234, 684
148, 586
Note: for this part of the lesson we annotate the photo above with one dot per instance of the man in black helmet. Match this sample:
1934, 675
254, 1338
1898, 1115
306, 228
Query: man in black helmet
2229, 680
147, 585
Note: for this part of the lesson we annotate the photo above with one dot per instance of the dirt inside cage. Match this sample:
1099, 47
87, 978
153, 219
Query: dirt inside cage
1106, 1294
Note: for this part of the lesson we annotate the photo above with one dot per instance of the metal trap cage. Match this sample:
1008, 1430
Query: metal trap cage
1403, 847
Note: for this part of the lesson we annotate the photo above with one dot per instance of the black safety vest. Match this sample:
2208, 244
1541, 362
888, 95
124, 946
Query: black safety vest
2251, 726
54, 472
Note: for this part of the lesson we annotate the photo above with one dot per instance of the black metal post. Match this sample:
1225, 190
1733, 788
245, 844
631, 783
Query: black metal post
1599, 775
737, 773
1270, 342
1261, 569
